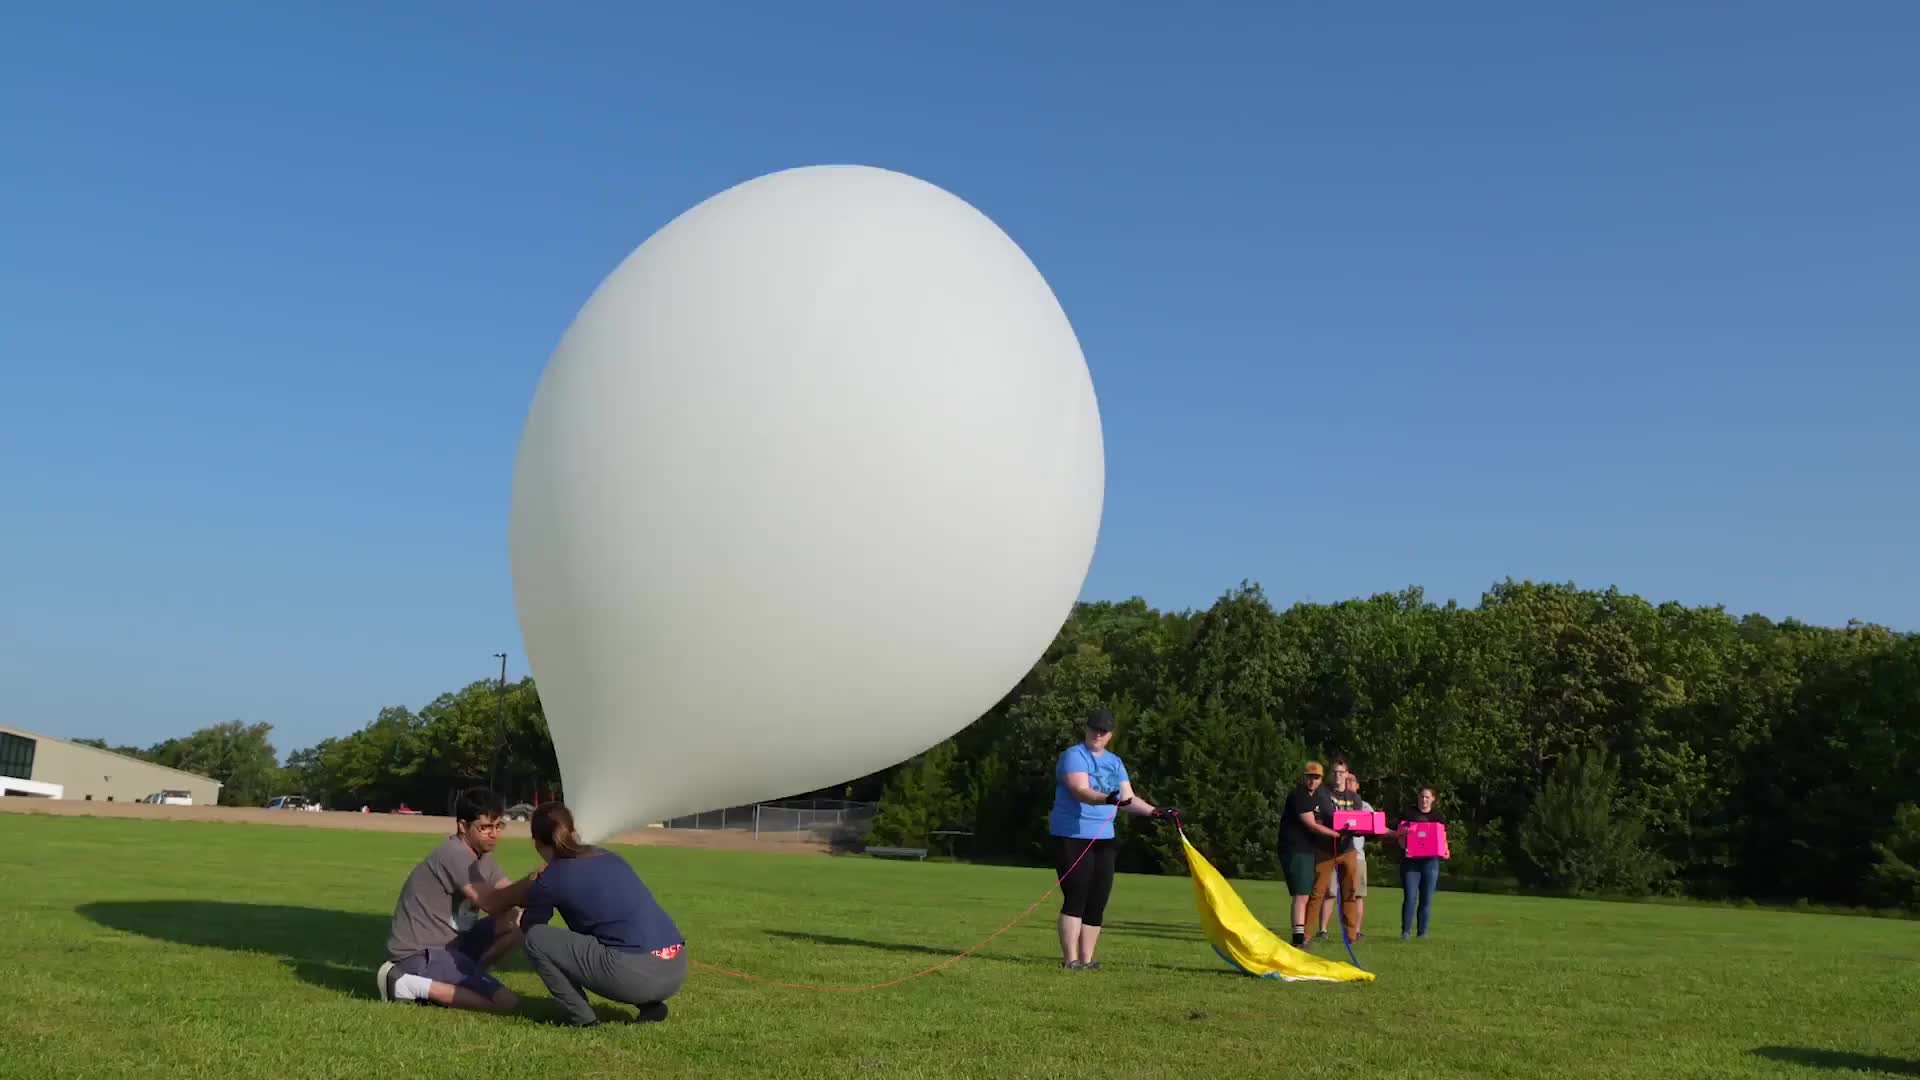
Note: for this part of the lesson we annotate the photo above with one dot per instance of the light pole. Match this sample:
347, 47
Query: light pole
500, 735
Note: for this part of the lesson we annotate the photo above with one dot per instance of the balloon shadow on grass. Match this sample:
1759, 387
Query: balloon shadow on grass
334, 950
1838, 1060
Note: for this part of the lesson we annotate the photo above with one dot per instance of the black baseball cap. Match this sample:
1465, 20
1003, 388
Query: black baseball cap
1100, 720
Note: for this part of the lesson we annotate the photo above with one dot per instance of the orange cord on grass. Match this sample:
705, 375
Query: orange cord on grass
948, 962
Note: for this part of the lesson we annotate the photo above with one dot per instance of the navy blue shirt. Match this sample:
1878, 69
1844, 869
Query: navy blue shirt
600, 895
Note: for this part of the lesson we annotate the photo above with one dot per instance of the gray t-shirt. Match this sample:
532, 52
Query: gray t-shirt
433, 910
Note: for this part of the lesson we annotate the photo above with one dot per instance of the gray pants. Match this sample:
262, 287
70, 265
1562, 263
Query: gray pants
571, 964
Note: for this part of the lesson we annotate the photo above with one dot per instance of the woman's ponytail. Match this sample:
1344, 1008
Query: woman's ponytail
553, 827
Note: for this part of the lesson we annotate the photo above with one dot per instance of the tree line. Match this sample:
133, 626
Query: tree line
483, 734
1581, 742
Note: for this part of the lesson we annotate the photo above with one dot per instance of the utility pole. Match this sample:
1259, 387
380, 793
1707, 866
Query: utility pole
500, 734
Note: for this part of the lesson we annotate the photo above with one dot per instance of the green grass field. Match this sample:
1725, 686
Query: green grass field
179, 950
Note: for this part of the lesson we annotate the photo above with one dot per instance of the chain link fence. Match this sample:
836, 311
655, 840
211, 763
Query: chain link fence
824, 819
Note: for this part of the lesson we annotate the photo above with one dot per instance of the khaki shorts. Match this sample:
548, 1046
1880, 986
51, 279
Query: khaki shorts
1360, 878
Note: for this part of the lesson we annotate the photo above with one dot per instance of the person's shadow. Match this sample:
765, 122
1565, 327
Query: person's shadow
336, 950
339, 950
1841, 1060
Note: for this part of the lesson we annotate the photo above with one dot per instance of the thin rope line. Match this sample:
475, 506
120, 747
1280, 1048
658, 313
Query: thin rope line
948, 962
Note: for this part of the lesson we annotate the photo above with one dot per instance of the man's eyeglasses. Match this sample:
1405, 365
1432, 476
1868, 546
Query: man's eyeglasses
488, 827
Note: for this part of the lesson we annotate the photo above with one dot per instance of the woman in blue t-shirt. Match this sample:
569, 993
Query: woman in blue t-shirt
617, 942
1090, 790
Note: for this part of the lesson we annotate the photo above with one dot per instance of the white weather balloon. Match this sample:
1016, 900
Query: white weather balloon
809, 484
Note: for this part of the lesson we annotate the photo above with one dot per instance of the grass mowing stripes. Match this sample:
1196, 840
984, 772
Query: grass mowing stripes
150, 949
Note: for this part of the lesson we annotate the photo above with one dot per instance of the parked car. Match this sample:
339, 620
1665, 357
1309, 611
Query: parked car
287, 802
172, 798
519, 811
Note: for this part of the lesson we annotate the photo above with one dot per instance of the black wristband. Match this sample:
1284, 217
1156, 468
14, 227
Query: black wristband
1113, 798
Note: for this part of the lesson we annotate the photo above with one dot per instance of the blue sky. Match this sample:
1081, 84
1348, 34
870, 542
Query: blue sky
1373, 295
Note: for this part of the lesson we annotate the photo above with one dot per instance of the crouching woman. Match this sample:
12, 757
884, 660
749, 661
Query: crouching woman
617, 943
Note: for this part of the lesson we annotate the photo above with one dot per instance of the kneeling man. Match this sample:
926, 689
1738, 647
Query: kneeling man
440, 947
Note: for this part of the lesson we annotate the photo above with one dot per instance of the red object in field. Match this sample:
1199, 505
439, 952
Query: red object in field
1426, 839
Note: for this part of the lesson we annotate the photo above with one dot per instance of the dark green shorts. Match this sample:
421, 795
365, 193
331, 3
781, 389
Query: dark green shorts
1299, 868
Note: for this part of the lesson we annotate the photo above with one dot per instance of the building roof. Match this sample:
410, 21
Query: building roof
12, 730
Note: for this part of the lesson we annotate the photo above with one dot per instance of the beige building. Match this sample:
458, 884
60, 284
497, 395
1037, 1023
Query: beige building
35, 764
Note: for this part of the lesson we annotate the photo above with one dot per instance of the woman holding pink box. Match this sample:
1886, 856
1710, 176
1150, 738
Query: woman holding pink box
1418, 875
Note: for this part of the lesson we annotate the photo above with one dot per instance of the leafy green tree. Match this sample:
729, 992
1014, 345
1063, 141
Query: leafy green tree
239, 755
101, 744
1229, 778
918, 801
1896, 869
1578, 840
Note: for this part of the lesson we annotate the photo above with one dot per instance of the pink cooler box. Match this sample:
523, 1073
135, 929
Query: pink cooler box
1364, 822
1426, 839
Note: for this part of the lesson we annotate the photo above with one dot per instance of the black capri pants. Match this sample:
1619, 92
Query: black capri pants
1084, 890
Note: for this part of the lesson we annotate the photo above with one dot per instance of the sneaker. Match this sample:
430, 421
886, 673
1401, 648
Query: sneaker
1358, 938
1072, 965
1091, 965
388, 974
1322, 937
1404, 936
1299, 940
651, 1013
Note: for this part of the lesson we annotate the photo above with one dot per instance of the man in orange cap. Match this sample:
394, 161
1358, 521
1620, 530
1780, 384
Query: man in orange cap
1305, 829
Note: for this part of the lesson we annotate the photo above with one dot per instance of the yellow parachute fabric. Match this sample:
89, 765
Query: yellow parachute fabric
1244, 943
